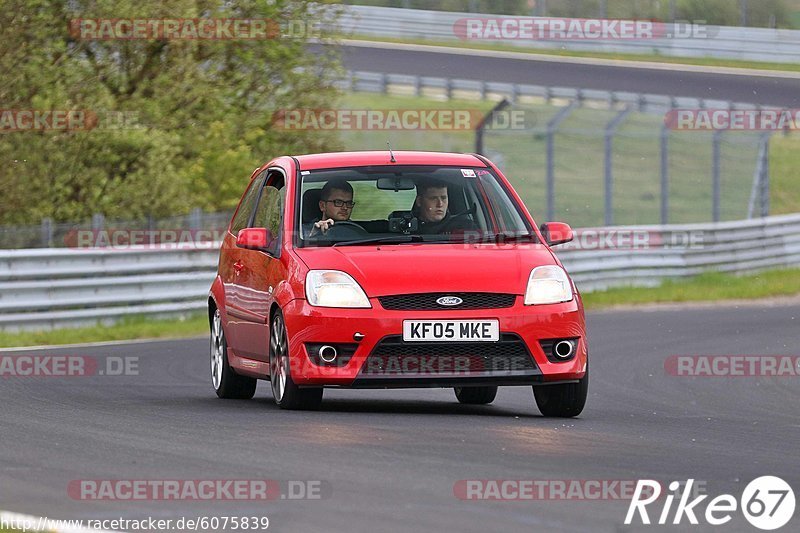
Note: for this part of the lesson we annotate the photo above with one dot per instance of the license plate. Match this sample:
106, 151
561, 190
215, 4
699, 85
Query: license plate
451, 330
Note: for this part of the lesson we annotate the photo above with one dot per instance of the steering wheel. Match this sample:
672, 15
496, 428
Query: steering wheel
345, 229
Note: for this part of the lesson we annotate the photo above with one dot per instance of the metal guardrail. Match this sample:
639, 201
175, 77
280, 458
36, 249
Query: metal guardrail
381, 82
733, 247
47, 288
752, 44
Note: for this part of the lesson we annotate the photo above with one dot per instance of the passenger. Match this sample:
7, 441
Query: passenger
335, 205
431, 208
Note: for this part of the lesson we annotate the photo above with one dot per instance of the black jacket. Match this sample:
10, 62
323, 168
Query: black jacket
448, 224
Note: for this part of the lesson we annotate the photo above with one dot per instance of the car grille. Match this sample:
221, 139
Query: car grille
427, 301
394, 357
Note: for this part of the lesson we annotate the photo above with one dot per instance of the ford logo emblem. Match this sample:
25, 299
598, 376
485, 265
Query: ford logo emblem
449, 300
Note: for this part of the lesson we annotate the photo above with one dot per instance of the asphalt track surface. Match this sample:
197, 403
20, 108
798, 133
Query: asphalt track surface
783, 92
389, 459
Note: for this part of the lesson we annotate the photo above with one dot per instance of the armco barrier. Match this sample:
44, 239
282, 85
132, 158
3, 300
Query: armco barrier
749, 44
58, 287
47, 288
735, 247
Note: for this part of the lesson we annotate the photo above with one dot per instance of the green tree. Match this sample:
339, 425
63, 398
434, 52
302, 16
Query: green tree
195, 114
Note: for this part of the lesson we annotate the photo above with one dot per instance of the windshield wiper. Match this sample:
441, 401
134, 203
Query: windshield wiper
395, 239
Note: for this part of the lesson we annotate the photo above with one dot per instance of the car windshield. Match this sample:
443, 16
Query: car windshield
400, 205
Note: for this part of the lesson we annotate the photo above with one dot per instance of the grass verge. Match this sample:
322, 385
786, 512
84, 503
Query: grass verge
784, 160
129, 328
654, 58
711, 286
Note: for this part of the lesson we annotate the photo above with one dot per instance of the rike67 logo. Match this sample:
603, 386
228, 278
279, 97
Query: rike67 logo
767, 502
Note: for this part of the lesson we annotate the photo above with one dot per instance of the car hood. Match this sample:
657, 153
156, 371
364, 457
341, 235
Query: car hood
416, 268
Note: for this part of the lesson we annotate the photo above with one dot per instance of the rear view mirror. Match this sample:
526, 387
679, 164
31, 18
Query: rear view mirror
395, 184
556, 233
255, 239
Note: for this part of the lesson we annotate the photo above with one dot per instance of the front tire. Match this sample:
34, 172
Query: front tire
226, 382
563, 401
287, 395
476, 395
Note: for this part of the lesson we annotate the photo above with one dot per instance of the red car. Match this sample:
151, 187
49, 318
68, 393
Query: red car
404, 269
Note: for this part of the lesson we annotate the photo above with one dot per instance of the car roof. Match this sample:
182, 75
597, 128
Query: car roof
382, 157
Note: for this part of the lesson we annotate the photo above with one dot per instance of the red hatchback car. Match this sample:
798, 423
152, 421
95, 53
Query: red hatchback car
405, 269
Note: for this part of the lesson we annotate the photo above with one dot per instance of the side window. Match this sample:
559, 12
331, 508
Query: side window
242, 216
502, 204
269, 213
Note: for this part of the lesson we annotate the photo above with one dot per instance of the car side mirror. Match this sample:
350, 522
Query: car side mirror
556, 233
255, 239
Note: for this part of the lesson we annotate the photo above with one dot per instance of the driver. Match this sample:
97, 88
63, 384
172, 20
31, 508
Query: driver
430, 207
335, 204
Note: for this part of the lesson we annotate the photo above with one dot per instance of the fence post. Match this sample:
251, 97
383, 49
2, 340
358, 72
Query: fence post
765, 186
502, 104
716, 175
98, 222
195, 218
743, 15
664, 174
552, 128
611, 129
47, 233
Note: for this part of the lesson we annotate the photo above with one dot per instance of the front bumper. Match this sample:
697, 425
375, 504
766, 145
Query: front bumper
381, 359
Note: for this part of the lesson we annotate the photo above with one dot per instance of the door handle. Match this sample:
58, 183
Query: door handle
238, 266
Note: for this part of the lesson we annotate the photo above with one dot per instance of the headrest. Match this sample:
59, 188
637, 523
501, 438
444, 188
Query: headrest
311, 200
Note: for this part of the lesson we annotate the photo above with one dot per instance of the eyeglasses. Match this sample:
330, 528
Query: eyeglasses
342, 203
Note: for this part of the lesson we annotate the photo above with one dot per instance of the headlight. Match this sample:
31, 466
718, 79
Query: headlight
333, 288
548, 285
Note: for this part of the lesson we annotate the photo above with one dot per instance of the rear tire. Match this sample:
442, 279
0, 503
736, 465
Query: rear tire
287, 395
476, 395
226, 382
563, 401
